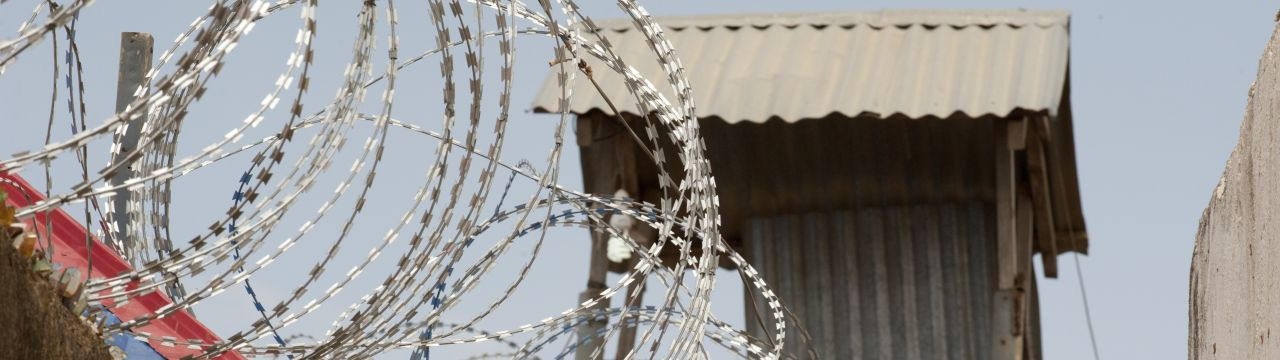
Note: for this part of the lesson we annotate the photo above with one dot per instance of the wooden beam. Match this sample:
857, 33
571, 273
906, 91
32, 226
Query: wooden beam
1006, 332
585, 131
1006, 345
1038, 171
1021, 278
1017, 133
1035, 348
1058, 147
1043, 128
596, 275
644, 236
600, 175
1006, 205
609, 162
1073, 240
1010, 311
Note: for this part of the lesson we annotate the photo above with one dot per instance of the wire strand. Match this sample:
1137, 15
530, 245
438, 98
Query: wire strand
1088, 319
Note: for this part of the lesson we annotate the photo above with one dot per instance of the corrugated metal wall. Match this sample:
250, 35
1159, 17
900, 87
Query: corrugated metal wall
915, 281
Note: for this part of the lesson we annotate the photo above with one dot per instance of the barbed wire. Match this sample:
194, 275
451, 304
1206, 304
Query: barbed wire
438, 268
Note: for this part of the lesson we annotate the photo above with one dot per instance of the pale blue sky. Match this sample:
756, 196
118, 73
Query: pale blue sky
1158, 91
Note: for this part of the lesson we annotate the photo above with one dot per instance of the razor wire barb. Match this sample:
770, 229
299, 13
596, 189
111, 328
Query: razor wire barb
439, 268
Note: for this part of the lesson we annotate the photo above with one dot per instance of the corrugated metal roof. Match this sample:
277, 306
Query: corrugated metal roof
802, 66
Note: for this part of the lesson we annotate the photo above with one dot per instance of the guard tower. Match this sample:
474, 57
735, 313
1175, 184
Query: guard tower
890, 173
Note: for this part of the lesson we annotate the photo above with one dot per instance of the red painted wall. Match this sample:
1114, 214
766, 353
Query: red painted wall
70, 250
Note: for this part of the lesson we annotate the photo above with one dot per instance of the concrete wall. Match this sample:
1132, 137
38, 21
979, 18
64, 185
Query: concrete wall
1235, 270
33, 322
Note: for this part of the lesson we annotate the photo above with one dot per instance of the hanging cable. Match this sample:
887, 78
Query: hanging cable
1084, 299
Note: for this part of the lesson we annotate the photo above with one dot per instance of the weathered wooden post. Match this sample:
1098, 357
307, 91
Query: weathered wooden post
588, 338
135, 62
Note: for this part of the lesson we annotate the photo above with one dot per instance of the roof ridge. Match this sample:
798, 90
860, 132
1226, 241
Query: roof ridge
875, 19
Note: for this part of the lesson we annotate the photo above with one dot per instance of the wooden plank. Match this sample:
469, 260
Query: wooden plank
1006, 345
1005, 338
598, 269
1021, 278
1010, 307
1042, 127
1017, 134
1070, 238
1038, 173
1006, 230
1034, 348
584, 133
627, 335
627, 151
643, 236
607, 165
1058, 150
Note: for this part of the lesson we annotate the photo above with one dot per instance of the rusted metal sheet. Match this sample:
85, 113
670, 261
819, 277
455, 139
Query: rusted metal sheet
806, 66
897, 282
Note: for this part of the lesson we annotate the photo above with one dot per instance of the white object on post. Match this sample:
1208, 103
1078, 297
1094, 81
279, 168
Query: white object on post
616, 249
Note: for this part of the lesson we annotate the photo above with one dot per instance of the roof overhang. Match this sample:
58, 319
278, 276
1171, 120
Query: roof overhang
806, 66
891, 65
